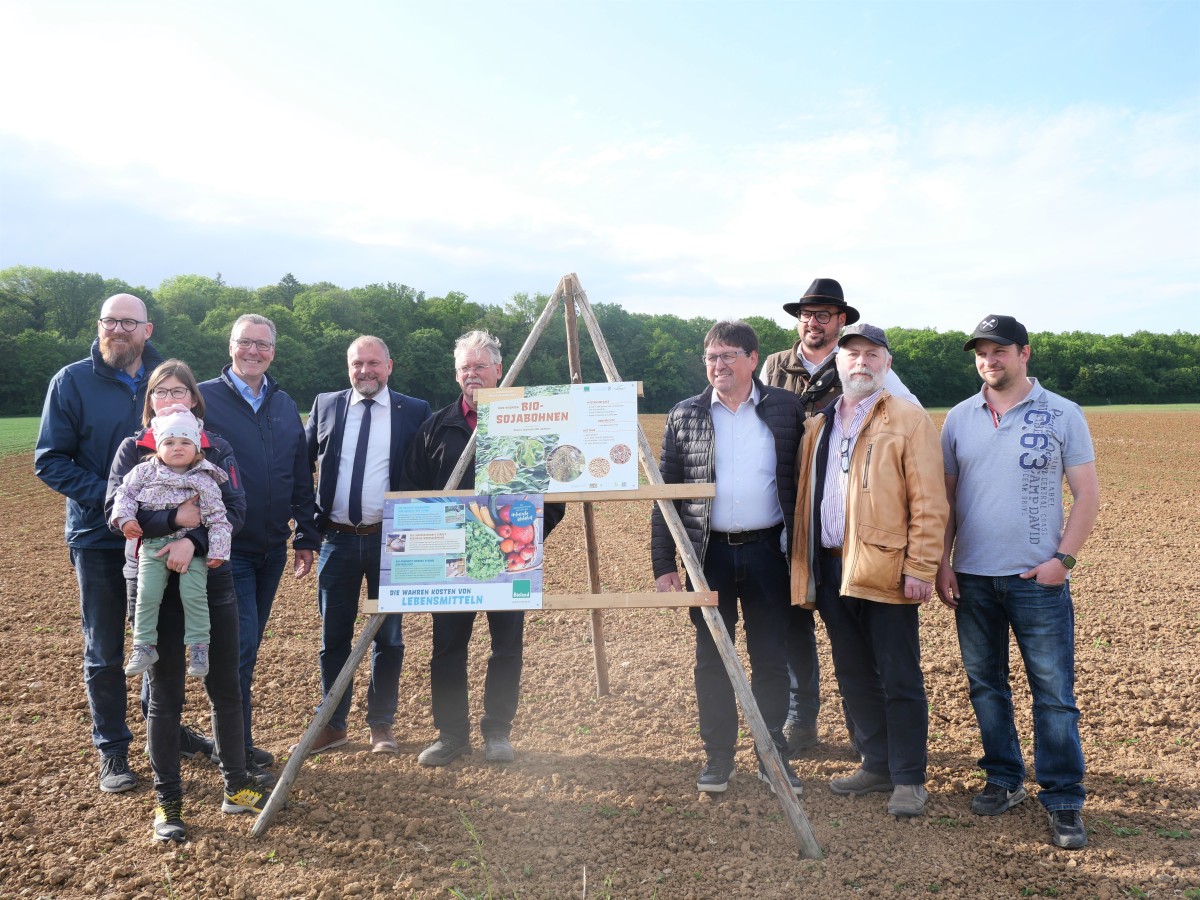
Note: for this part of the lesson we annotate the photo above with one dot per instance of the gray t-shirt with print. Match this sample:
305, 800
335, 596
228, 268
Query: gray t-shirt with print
1008, 505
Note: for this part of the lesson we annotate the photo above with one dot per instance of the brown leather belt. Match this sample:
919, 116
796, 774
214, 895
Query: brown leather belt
835, 552
354, 529
736, 538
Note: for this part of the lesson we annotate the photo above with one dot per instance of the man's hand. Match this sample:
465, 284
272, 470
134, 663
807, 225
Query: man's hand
304, 561
131, 529
916, 589
668, 583
179, 554
187, 515
1051, 573
947, 585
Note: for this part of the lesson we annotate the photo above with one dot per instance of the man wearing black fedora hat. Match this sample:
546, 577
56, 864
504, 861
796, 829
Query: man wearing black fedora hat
809, 369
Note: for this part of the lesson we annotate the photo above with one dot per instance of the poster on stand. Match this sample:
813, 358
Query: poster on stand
554, 439
457, 554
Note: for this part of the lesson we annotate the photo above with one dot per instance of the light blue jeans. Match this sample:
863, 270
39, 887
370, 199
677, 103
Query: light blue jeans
1043, 621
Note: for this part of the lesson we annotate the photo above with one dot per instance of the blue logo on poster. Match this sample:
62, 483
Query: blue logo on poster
522, 512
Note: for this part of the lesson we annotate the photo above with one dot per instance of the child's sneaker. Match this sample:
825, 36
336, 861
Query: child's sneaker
141, 658
198, 660
249, 798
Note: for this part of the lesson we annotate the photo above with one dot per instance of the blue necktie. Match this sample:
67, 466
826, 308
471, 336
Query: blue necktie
360, 463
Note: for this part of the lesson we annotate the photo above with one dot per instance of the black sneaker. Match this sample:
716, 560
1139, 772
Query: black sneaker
995, 799
168, 821
260, 757
115, 775
443, 751
1066, 829
192, 742
263, 778
715, 776
247, 799
793, 778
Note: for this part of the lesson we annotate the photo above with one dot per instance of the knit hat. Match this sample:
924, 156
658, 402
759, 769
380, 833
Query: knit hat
180, 424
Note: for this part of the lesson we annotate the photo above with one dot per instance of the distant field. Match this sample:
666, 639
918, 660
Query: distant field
18, 435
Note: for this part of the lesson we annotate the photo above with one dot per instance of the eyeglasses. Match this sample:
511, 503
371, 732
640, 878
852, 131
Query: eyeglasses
261, 346
176, 393
845, 454
822, 315
110, 324
728, 357
464, 371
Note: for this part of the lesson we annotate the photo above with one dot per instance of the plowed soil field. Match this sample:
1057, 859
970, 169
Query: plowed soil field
601, 801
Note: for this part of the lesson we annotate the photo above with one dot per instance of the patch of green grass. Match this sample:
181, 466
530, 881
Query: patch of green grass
1134, 891
1175, 834
18, 434
1119, 830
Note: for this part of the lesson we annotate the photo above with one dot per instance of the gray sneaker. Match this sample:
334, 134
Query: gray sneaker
861, 782
115, 775
141, 658
908, 800
800, 738
443, 751
198, 660
995, 799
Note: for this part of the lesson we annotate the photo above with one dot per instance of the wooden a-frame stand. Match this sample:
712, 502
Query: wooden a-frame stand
570, 294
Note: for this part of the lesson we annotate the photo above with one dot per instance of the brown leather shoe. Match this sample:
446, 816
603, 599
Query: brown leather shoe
328, 738
383, 740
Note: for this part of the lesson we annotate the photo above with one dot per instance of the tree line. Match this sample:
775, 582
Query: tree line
50, 317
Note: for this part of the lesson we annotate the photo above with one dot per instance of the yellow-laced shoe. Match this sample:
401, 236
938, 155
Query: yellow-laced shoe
248, 799
168, 821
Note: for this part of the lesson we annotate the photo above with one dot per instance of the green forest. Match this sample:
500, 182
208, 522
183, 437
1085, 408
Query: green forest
50, 316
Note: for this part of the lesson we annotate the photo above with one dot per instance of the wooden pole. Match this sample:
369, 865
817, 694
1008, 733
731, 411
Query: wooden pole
768, 753
599, 653
278, 798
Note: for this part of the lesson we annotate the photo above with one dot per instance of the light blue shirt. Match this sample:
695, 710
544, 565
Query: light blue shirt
744, 460
247, 393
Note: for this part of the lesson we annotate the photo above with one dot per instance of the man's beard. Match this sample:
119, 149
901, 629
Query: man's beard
369, 388
120, 356
856, 387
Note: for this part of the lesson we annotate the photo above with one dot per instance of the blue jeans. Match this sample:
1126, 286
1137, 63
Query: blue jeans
876, 651
1043, 621
344, 561
102, 605
255, 579
757, 574
804, 669
448, 673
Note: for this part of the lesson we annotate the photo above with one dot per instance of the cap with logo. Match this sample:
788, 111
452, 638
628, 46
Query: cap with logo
1001, 329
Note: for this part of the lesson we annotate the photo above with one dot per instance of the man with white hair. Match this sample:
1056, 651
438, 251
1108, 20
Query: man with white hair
870, 519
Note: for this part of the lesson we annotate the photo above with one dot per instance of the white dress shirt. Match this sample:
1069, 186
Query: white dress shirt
376, 476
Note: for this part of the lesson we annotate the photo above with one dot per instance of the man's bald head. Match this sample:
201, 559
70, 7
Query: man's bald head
123, 330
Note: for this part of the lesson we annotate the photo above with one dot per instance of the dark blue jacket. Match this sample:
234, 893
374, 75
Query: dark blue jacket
87, 413
270, 449
327, 425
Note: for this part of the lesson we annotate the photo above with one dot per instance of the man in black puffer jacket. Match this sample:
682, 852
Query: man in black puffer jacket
743, 436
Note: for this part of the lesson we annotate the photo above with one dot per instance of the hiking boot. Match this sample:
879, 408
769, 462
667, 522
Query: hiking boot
800, 738
168, 821
861, 782
383, 739
1066, 829
247, 799
715, 776
197, 660
192, 742
115, 775
327, 738
262, 778
443, 751
793, 778
497, 748
996, 799
908, 800
141, 658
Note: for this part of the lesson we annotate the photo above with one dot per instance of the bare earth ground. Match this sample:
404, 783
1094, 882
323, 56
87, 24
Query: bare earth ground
601, 801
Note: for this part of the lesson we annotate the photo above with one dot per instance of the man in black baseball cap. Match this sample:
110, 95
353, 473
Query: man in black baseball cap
1001, 329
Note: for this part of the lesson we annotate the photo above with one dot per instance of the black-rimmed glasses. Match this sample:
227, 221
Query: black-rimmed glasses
845, 454
175, 393
823, 315
108, 323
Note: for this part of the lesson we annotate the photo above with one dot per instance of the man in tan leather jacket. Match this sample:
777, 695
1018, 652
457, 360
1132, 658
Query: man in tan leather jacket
870, 520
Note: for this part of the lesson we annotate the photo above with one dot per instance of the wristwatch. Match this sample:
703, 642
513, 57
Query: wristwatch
1066, 559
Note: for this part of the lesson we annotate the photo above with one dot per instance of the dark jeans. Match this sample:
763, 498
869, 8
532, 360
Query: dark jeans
877, 660
757, 574
167, 680
255, 579
448, 672
804, 669
102, 610
1042, 620
344, 561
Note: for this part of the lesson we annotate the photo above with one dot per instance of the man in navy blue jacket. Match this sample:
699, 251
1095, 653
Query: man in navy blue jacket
357, 439
247, 408
91, 406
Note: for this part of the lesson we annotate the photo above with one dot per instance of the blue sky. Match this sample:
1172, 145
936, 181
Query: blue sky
942, 160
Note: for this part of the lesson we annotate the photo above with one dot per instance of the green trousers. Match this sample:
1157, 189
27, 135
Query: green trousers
152, 581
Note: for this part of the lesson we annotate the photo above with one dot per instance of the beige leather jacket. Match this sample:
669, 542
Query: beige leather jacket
896, 508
